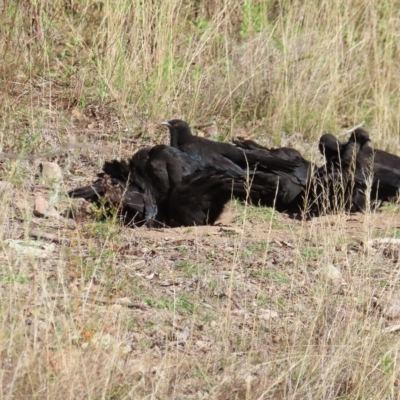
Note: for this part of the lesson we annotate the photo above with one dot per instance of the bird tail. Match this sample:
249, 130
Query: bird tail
270, 162
117, 170
89, 192
249, 145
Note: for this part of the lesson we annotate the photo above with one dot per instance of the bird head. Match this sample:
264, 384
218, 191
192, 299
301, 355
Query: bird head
176, 124
360, 136
329, 145
179, 130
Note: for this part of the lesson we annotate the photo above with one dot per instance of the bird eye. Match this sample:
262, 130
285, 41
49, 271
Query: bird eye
176, 125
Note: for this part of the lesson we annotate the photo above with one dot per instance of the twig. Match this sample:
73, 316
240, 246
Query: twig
101, 300
376, 241
205, 125
36, 28
129, 139
235, 302
36, 234
391, 329
351, 129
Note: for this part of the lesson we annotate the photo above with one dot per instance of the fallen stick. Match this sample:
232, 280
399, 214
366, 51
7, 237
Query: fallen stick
391, 329
351, 129
378, 241
36, 234
205, 125
100, 300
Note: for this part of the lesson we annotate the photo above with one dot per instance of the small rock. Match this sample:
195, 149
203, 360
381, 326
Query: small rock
43, 209
51, 171
137, 336
238, 312
31, 248
392, 307
201, 344
124, 350
183, 336
331, 272
267, 314
276, 339
124, 301
5, 186
102, 340
77, 114
230, 229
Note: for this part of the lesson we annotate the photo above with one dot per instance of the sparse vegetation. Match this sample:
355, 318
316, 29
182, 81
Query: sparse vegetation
255, 312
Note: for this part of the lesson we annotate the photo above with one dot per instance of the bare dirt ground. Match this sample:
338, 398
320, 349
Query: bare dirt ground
258, 306
241, 309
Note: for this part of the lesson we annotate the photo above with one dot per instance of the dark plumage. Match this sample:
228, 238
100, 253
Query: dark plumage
221, 156
189, 182
206, 153
340, 181
283, 187
285, 153
166, 166
117, 186
162, 185
331, 149
283, 178
285, 182
360, 167
200, 198
381, 157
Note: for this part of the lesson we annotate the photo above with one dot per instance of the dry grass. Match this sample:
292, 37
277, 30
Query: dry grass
255, 312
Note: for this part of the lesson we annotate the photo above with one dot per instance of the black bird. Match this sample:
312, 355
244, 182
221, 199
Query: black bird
378, 166
188, 193
163, 186
222, 156
379, 156
341, 182
360, 166
140, 187
283, 188
283, 180
333, 149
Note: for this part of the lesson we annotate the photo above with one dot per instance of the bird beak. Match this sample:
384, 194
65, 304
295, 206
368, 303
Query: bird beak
166, 124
